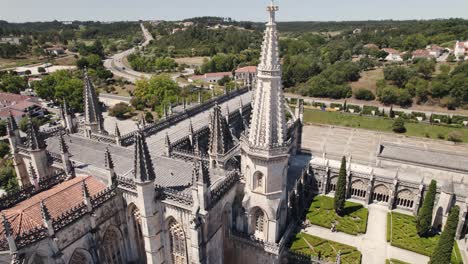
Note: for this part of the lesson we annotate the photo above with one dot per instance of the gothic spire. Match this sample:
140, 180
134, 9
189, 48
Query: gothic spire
85, 190
143, 167
201, 173
109, 163
35, 141
63, 145
6, 226
220, 136
268, 125
12, 121
45, 212
93, 115
117, 130
32, 172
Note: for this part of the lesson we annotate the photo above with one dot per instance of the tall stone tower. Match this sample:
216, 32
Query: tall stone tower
264, 151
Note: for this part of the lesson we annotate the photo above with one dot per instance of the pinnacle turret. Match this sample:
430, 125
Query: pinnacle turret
85, 190
35, 141
117, 130
63, 145
201, 173
108, 162
268, 123
32, 172
143, 167
93, 114
220, 136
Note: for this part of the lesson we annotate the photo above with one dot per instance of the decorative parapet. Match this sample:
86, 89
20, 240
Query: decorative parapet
52, 132
127, 139
249, 239
174, 195
31, 237
187, 155
220, 190
26, 192
126, 183
69, 216
274, 150
103, 197
104, 138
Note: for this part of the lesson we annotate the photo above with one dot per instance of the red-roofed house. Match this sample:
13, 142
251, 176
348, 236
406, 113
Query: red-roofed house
421, 54
393, 54
246, 73
211, 77
19, 106
435, 51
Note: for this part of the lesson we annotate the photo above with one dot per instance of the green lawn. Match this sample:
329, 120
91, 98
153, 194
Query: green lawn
321, 213
379, 124
326, 248
395, 261
404, 235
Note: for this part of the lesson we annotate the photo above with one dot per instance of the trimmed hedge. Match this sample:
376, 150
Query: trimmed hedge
356, 108
367, 110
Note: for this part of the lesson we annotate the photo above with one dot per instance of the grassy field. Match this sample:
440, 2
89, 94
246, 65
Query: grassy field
404, 235
395, 261
368, 80
196, 61
354, 221
315, 246
380, 124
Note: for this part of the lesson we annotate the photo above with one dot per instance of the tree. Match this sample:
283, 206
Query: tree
4, 149
120, 110
224, 80
340, 193
364, 94
399, 125
443, 251
149, 117
3, 130
424, 218
41, 70
455, 136
159, 90
27, 72
399, 75
8, 180
391, 114
426, 67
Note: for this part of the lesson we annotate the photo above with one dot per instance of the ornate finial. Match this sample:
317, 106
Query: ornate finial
190, 127
167, 141
117, 130
84, 189
45, 211
6, 226
35, 142
201, 173
32, 172
109, 163
143, 166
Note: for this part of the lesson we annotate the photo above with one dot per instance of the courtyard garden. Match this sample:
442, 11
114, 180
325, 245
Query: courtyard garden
327, 250
353, 221
402, 233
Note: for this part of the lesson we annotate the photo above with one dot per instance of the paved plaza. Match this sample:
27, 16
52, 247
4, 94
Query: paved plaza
362, 144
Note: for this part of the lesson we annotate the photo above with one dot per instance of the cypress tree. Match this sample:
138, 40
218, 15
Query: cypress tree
391, 114
443, 251
424, 219
340, 192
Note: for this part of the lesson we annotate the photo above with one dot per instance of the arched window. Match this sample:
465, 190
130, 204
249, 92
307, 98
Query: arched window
177, 240
258, 181
138, 234
260, 224
111, 247
81, 256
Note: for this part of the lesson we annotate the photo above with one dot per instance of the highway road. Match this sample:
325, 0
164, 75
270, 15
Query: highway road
118, 68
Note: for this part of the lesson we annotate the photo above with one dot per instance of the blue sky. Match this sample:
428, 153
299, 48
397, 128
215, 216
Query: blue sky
290, 10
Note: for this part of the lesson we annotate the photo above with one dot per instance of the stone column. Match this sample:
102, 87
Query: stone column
392, 195
370, 187
418, 199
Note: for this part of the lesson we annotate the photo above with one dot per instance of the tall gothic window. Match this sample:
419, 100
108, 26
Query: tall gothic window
177, 239
79, 257
111, 247
140, 245
260, 224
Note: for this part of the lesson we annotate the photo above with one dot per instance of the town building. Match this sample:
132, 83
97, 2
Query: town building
19, 106
10, 40
246, 74
421, 54
393, 55
211, 77
461, 49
